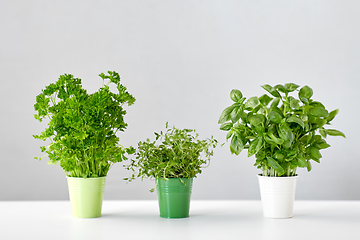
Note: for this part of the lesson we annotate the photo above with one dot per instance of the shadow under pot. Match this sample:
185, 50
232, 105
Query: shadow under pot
174, 197
277, 196
86, 196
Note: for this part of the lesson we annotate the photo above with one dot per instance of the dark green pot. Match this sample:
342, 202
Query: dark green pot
174, 197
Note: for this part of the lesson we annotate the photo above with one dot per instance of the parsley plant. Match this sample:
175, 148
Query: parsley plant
82, 127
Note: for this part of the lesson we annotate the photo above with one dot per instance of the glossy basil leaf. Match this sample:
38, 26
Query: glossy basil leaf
229, 134
323, 145
332, 115
273, 163
255, 146
315, 153
225, 115
257, 119
236, 95
304, 100
226, 126
304, 117
285, 133
316, 160
236, 113
303, 139
275, 103
270, 141
322, 132
271, 90
260, 155
302, 162
276, 109
252, 102
319, 112
281, 88
291, 87
320, 122
265, 99
305, 92
333, 132
275, 139
275, 117
296, 120
236, 145
317, 139
308, 165
294, 103
317, 104
279, 156
309, 138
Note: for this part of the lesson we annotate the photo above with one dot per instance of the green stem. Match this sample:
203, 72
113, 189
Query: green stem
289, 170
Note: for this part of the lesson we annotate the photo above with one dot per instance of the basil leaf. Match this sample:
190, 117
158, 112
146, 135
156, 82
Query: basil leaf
236, 145
226, 126
273, 163
291, 87
255, 146
319, 112
236, 95
296, 120
305, 92
275, 103
271, 90
275, 117
236, 113
257, 119
252, 102
225, 115
275, 139
265, 99
281, 88
332, 115
315, 153
322, 132
294, 103
333, 132
301, 162
229, 134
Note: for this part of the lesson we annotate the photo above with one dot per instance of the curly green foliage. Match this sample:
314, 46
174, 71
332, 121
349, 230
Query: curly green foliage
82, 127
283, 132
174, 154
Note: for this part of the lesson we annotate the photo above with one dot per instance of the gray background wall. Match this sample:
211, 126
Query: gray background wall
180, 59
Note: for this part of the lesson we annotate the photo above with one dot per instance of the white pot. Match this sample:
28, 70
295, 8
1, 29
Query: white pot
277, 196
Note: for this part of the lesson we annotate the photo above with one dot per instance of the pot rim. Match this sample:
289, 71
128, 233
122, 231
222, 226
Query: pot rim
173, 178
261, 176
85, 178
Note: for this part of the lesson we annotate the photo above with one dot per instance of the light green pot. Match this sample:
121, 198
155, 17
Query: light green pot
86, 196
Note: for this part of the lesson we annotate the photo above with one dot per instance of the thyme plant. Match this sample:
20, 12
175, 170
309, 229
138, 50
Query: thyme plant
175, 153
283, 132
82, 127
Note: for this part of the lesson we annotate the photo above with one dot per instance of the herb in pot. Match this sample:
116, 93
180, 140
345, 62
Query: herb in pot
283, 132
82, 127
176, 153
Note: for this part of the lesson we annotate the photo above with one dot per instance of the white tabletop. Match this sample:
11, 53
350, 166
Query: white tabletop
208, 220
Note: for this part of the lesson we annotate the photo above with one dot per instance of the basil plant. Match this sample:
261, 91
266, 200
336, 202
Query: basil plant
283, 132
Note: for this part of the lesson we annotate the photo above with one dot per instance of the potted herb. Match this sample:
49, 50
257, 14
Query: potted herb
284, 133
173, 160
82, 129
